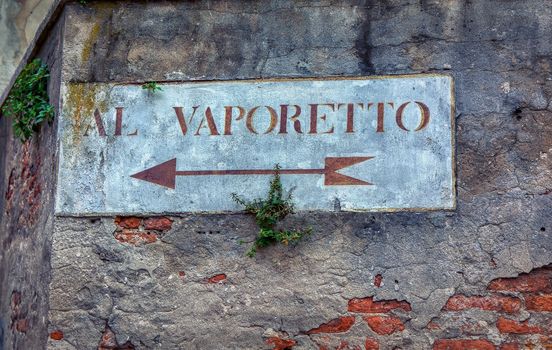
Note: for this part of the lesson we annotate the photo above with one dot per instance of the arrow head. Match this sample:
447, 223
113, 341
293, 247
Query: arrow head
163, 174
333, 164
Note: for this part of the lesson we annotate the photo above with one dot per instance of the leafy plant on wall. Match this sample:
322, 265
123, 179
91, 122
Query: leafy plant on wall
27, 103
152, 87
267, 214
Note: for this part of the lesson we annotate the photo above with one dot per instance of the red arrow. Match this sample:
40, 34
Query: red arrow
165, 173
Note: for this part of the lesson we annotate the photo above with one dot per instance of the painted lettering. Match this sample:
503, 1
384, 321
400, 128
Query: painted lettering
251, 115
182, 119
228, 118
314, 118
294, 118
210, 123
99, 124
424, 116
350, 115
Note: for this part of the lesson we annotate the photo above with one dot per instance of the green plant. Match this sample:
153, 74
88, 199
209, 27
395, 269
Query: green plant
152, 87
83, 2
267, 214
27, 103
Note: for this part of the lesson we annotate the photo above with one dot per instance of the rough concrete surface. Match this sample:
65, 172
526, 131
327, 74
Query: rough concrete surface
183, 282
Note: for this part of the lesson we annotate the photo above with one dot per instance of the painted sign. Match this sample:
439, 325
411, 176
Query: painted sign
363, 143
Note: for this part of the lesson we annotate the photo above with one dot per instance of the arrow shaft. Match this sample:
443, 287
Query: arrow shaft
248, 172
165, 174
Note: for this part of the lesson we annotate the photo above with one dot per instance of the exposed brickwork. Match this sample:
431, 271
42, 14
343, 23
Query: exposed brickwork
546, 342
539, 280
463, 344
56, 335
220, 278
368, 305
19, 321
384, 325
24, 188
131, 222
138, 231
337, 325
371, 344
492, 303
28, 185
281, 344
505, 325
108, 341
378, 280
135, 237
158, 224
539, 302
22, 325
500, 309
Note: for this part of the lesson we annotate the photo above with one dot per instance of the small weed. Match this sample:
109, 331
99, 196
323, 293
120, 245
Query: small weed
152, 87
268, 212
28, 104
83, 2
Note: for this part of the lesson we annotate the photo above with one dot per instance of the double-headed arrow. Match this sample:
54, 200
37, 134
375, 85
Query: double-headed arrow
165, 173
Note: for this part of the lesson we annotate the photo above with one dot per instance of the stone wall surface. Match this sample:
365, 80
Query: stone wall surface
478, 277
27, 180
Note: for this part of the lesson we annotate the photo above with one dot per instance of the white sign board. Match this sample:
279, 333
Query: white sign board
363, 143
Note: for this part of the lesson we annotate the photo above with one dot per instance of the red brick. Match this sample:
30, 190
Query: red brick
135, 237
509, 346
130, 222
371, 344
22, 325
546, 342
158, 223
491, 303
108, 340
281, 344
539, 302
220, 278
337, 325
539, 280
368, 305
377, 280
463, 344
384, 325
15, 299
56, 335
505, 325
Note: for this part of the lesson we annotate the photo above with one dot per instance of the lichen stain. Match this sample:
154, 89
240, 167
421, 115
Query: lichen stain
90, 41
105, 7
81, 101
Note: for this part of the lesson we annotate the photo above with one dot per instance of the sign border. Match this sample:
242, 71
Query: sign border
280, 79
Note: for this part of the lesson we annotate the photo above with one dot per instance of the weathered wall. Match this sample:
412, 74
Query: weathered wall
19, 20
185, 282
27, 179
